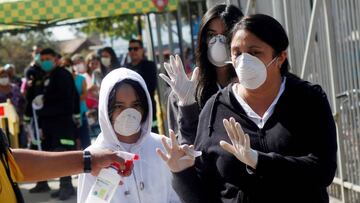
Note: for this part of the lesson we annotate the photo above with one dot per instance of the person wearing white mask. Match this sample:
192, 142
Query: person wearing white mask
189, 96
11, 91
108, 60
125, 120
271, 137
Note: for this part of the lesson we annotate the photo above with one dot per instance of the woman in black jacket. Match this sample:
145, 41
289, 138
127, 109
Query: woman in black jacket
282, 133
212, 52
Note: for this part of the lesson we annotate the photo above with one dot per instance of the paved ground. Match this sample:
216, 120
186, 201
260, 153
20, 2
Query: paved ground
45, 197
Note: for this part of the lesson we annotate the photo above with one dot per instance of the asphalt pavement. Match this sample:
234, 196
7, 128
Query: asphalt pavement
45, 197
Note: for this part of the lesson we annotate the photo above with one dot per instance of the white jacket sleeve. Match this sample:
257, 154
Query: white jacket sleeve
85, 182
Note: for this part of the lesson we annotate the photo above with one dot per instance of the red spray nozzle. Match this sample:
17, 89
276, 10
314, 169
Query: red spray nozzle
128, 156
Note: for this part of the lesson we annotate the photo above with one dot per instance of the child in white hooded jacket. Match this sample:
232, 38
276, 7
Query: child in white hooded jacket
125, 113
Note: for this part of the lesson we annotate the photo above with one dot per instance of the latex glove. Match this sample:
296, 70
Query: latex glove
179, 82
38, 102
176, 157
240, 143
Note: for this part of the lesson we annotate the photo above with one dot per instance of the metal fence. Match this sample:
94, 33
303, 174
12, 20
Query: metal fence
325, 49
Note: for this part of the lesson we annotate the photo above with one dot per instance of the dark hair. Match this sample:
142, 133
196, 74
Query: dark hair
48, 51
137, 41
140, 94
207, 86
269, 30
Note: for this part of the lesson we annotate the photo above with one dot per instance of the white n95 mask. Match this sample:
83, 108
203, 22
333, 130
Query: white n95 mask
218, 51
251, 71
128, 122
106, 61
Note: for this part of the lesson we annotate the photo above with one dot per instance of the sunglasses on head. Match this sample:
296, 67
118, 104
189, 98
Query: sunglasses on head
133, 48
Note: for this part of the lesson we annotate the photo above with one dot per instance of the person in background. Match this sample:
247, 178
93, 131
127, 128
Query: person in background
93, 64
189, 96
94, 71
9, 90
281, 129
147, 69
56, 115
32, 87
82, 128
20, 165
108, 59
125, 120
10, 68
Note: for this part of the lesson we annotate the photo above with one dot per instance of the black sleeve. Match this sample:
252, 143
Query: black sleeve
197, 184
319, 166
150, 76
59, 95
172, 112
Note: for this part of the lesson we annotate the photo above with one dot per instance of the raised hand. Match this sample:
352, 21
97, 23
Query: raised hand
240, 143
179, 82
176, 157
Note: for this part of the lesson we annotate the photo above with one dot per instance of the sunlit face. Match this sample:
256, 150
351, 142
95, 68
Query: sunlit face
93, 64
126, 97
136, 52
216, 27
246, 42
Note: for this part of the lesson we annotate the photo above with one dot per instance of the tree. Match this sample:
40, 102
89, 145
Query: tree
16, 49
120, 26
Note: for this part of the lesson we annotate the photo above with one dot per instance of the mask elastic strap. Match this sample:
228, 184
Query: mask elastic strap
269, 64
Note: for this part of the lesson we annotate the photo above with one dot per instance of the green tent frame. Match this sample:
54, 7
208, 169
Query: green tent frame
25, 14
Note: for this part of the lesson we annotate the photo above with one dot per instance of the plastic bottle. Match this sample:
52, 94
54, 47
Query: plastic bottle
105, 185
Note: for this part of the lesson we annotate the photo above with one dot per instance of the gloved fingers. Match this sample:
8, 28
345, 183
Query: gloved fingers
228, 147
165, 144
188, 160
167, 80
240, 133
180, 65
174, 143
169, 70
162, 155
229, 131
237, 137
174, 66
195, 74
247, 142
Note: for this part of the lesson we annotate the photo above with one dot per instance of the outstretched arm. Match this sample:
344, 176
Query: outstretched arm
40, 165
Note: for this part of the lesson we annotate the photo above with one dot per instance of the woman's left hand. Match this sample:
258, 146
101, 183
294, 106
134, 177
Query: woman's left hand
240, 143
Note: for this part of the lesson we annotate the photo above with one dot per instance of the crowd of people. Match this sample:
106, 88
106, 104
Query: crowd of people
242, 127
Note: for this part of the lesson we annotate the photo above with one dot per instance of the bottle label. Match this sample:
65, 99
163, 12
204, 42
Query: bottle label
102, 189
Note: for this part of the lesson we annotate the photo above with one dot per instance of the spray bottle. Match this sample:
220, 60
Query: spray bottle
108, 179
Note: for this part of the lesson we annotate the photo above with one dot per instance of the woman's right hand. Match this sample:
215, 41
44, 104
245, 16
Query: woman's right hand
176, 157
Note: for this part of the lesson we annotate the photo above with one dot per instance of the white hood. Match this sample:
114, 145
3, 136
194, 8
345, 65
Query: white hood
107, 138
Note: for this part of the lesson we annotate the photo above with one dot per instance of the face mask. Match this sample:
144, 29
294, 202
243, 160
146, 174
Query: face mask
80, 68
37, 58
106, 61
4, 81
218, 51
128, 122
47, 65
250, 70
